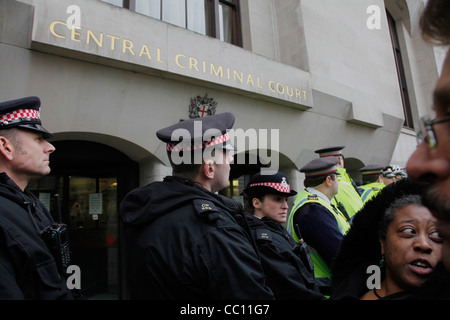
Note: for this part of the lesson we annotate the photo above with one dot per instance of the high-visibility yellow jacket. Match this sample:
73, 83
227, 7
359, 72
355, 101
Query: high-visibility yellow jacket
322, 272
347, 194
370, 190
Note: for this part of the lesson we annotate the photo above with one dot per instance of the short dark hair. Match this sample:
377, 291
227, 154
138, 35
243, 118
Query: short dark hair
389, 213
11, 135
183, 170
190, 170
435, 22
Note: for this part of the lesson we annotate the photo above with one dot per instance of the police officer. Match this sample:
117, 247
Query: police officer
372, 181
348, 199
320, 223
287, 264
27, 268
184, 239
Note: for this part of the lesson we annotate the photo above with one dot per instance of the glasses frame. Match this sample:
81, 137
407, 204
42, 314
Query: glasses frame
426, 132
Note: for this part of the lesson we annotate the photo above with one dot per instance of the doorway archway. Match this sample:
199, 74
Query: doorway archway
91, 179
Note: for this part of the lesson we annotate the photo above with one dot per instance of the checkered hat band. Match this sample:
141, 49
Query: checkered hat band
172, 147
19, 114
285, 188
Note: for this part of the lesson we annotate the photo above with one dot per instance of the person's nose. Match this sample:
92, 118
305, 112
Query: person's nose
49, 148
423, 243
426, 165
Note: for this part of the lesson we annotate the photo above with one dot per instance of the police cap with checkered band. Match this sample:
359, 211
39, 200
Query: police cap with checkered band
22, 113
276, 183
198, 133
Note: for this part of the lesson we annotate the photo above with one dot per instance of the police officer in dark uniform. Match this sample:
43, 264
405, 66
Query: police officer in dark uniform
27, 267
321, 224
184, 240
287, 265
347, 199
372, 181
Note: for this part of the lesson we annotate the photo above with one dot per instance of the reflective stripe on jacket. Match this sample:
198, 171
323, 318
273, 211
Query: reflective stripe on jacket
370, 190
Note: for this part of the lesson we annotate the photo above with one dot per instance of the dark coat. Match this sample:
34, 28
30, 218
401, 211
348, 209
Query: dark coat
27, 267
319, 229
185, 243
287, 274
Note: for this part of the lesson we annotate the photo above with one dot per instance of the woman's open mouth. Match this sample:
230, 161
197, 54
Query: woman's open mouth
421, 267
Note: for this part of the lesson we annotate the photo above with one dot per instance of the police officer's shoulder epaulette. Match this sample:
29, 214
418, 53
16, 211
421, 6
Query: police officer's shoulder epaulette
263, 235
375, 188
313, 197
206, 209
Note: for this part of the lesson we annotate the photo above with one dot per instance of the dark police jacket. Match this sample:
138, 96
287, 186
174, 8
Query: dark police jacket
287, 274
27, 267
184, 242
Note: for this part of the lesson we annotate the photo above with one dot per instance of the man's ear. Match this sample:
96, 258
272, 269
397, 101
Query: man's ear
6, 148
328, 181
208, 169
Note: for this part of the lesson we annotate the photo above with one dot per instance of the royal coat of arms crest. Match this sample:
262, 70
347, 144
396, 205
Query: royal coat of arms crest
202, 106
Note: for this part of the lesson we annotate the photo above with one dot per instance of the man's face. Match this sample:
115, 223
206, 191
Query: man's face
334, 184
388, 180
222, 170
341, 163
31, 156
433, 164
